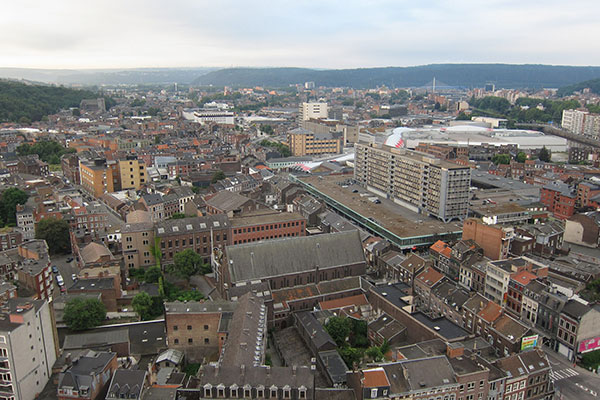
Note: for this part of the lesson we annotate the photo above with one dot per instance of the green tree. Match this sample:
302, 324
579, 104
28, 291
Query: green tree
374, 353
217, 176
76, 112
463, 117
142, 305
177, 216
83, 314
267, 129
358, 333
521, 157
385, 347
156, 252
351, 355
152, 275
186, 263
339, 329
545, 155
501, 159
56, 234
8, 204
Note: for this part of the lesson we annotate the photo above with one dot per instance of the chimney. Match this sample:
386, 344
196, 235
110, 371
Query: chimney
454, 350
242, 370
294, 370
68, 359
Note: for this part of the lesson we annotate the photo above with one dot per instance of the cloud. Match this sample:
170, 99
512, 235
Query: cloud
326, 34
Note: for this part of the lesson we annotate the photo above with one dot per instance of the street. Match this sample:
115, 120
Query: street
572, 382
65, 269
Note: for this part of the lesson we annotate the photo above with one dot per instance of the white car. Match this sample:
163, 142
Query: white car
60, 280
73, 277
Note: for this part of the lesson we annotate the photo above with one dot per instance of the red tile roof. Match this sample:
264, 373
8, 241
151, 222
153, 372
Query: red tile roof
523, 277
358, 300
429, 276
375, 378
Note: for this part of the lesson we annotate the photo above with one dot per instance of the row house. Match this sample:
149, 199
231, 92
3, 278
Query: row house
578, 329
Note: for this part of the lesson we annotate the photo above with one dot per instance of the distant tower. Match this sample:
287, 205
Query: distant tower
433, 86
175, 87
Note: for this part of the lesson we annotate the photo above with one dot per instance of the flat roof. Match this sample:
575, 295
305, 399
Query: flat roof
396, 219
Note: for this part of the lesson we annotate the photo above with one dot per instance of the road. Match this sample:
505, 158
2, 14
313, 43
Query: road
65, 269
572, 382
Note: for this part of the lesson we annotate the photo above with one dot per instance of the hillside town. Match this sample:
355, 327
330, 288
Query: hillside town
303, 242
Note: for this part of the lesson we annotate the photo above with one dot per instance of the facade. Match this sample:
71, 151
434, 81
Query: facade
266, 224
313, 110
581, 122
136, 239
201, 234
578, 329
33, 267
303, 142
132, 173
25, 221
493, 239
87, 376
559, 198
99, 176
10, 238
414, 180
28, 348
290, 262
198, 329
583, 229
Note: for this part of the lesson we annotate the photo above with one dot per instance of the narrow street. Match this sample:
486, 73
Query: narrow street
572, 382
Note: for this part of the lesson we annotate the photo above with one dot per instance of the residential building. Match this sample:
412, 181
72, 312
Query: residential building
527, 376
493, 239
559, 198
28, 348
136, 239
313, 110
303, 142
99, 176
10, 238
127, 384
87, 375
33, 267
498, 274
154, 204
70, 168
132, 173
583, 229
25, 221
414, 180
198, 328
578, 329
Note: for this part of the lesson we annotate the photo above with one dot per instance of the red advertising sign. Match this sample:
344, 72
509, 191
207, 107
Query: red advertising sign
589, 345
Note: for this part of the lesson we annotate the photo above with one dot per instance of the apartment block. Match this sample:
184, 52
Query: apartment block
132, 172
136, 239
28, 348
581, 122
99, 176
313, 110
303, 142
417, 181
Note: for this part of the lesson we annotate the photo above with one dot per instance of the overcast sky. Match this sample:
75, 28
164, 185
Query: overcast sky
322, 34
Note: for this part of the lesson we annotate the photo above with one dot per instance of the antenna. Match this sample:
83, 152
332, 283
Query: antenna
433, 86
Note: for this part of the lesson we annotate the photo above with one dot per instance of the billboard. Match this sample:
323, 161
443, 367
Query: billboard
589, 345
529, 342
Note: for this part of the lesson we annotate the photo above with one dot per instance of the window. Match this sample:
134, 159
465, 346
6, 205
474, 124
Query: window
176, 341
175, 327
373, 393
206, 341
190, 340
205, 327
189, 327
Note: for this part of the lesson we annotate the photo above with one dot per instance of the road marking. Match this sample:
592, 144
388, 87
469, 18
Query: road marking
563, 374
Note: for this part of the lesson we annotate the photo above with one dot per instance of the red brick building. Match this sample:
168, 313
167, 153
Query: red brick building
559, 198
266, 224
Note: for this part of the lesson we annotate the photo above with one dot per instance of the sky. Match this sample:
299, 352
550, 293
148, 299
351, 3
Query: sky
317, 34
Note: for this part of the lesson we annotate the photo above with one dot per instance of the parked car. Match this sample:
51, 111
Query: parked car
69, 259
74, 277
60, 280
54, 269
63, 289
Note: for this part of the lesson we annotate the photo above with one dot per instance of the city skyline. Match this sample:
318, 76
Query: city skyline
301, 34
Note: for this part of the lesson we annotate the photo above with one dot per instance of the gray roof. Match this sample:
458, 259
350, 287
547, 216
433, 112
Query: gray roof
334, 366
251, 261
198, 307
84, 368
191, 225
318, 335
93, 284
152, 199
126, 384
171, 355
96, 339
227, 201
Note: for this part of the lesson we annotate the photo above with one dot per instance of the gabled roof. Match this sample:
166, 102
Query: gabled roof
373, 378
251, 261
429, 277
